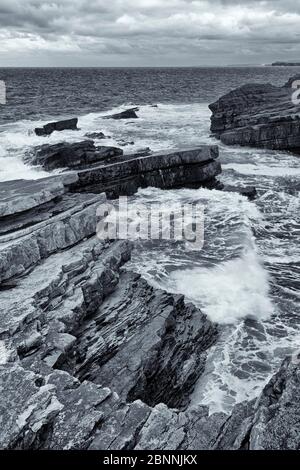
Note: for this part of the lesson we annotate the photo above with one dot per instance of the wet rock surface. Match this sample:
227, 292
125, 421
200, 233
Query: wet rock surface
127, 114
76, 155
166, 350
249, 191
95, 135
83, 342
258, 115
182, 168
47, 129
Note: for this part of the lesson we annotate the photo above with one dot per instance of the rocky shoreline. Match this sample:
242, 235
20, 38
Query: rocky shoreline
92, 356
83, 342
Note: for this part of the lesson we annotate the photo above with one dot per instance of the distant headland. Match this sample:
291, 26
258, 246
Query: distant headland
286, 64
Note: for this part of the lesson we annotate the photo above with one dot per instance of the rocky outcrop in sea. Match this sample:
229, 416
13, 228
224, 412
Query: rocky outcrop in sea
127, 114
258, 115
47, 129
76, 155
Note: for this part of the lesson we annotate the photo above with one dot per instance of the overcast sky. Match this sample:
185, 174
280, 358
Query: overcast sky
148, 32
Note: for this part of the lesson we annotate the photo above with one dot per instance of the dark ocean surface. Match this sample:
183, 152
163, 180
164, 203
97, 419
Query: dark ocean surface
34, 93
247, 276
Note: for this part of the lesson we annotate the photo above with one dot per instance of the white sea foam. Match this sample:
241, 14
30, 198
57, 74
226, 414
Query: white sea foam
227, 290
16, 169
243, 360
4, 353
166, 127
228, 282
232, 290
261, 170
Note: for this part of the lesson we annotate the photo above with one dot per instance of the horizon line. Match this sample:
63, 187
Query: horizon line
128, 66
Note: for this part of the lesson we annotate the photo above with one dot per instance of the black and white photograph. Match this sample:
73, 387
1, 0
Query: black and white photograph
149, 230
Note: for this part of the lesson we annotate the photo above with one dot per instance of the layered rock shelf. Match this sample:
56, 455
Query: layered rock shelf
181, 168
258, 115
82, 341
91, 355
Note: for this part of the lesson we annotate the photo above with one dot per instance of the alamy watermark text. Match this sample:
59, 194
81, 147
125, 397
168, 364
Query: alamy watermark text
137, 221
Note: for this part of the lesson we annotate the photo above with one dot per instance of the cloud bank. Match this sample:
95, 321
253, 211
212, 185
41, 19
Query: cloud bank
147, 32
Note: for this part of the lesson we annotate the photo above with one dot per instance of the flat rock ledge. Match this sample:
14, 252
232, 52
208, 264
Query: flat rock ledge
173, 169
258, 115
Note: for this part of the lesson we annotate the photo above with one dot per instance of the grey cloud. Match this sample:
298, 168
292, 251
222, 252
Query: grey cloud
144, 29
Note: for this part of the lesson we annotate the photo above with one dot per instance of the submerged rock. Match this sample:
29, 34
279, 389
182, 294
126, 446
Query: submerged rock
248, 191
258, 115
95, 135
124, 143
47, 129
128, 114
